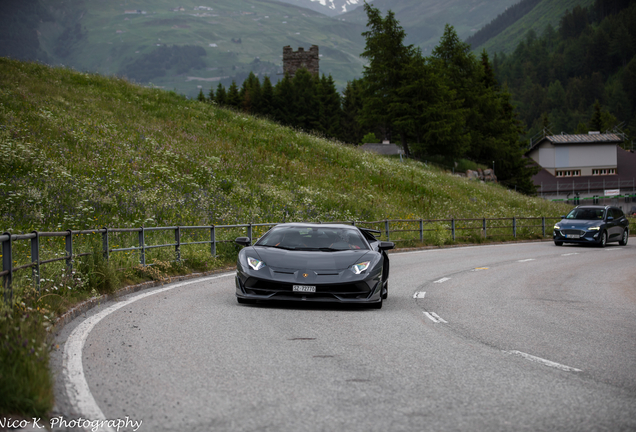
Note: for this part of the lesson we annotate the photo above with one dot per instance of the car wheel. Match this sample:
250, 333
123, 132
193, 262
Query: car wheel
558, 243
385, 290
245, 301
377, 305
603, 241
623, 240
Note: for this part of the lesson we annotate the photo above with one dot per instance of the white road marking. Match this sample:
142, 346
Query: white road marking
526, 260
568, 254
419, 295
444, 279
79, 393
544, 361
434, 317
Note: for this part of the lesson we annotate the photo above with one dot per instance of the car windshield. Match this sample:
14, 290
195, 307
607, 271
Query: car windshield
586, 214
313, 239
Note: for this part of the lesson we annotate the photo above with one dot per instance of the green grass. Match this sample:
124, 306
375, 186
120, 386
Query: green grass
80, 151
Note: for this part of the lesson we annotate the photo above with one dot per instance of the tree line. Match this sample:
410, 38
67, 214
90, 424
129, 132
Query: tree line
448, 106
580, 76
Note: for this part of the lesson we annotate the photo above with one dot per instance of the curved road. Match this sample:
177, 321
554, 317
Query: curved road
501, 337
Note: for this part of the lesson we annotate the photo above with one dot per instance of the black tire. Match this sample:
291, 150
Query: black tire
624, 238
557, 243
603, 241
385, 290
245, 301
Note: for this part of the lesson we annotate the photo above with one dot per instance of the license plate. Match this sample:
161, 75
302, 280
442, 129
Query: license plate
304, 288
573, 236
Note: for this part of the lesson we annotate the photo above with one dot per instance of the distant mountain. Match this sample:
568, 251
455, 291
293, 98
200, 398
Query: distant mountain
544, 13
327, 7
424, 20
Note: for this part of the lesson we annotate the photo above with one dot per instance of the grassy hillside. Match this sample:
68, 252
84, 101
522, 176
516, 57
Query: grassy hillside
84, 151
236, 38
546, 12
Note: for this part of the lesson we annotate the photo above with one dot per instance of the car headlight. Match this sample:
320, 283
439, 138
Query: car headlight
360, 267
557, 227
594, 228
255, 264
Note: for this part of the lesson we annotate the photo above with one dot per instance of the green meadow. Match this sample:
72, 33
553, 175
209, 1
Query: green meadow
81, 152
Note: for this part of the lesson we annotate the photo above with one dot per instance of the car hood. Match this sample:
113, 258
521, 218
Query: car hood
578, 223
310, 260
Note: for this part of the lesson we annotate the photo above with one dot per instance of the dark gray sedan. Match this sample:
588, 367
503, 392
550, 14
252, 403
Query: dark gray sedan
596, 225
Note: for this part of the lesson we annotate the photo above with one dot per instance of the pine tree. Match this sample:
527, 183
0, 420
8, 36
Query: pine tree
305, 103
211, 94
221, 95
283, 97
201, 97
267, 98
233, 96
384, 75
351, 130
330, 111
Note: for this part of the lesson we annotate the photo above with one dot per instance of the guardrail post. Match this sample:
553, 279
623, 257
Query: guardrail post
386, 228
543, 226
35, 258
249, 231
484, 228
69, 251
453, 228
421, 230
213, 240
142, 247
7, 265
177, 247
105, 246
514, 227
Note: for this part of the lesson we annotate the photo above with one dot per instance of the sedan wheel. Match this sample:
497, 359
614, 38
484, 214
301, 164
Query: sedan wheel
558, 243
623, 240
603, 239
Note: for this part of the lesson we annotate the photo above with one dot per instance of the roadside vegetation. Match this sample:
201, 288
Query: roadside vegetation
81, 151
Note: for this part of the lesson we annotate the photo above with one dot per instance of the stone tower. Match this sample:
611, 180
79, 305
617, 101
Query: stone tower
294, 60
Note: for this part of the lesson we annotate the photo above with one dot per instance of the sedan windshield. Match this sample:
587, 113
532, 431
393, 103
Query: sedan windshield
313, 238
586, 214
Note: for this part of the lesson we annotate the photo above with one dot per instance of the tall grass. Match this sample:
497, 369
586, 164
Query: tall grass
81, 151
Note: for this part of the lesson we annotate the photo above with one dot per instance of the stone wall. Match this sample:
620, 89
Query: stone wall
294, 60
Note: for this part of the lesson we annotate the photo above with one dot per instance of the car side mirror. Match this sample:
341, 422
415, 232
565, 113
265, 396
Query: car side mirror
610, 218
384, 245
563, 217
243, 241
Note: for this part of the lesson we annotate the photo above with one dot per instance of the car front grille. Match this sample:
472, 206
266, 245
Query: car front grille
265, 287
573, 231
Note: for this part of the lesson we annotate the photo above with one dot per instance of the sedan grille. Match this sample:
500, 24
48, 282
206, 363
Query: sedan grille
573, 231
265, 287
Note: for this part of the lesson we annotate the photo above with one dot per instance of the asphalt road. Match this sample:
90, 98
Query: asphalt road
523, 337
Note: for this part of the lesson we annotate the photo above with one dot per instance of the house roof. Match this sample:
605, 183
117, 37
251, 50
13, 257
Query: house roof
564, 139
383, 149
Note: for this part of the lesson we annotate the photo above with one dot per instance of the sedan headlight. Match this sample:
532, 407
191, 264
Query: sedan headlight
594, 228
360, 267
557, 227
255, 264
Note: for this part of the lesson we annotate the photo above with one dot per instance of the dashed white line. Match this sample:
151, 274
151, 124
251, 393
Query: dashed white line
568, 254
444, 279
544, 361
419, 295
434, 317
526, 260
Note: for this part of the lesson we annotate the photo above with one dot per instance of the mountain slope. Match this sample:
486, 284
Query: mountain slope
546, 12
424, 21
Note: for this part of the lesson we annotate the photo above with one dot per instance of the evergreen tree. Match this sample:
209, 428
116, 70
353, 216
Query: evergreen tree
221, 95
211, 94
283, 98
384, 75
233, 96
201, 97
305, 103
351, 130
267, 98
330, 111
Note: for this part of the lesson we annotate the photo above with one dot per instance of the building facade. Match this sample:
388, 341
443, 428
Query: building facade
294, 60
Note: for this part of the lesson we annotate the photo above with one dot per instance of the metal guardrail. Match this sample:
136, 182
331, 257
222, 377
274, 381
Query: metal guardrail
7, 240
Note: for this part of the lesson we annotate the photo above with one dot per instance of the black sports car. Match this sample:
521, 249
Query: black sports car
314, 262
594, 224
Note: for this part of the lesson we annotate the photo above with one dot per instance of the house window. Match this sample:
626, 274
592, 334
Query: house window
606, 171
568, 173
